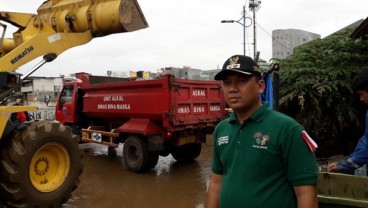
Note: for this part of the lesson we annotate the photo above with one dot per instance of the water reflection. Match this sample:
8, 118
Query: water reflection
106, 182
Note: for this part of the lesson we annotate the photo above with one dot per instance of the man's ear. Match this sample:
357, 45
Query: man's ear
261, 86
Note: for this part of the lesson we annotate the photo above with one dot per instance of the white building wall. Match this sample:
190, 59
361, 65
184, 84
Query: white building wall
284, 41
48, 84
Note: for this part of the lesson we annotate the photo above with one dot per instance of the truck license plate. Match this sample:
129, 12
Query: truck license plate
186, 140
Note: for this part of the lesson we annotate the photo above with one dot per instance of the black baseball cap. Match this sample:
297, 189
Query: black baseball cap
241, 64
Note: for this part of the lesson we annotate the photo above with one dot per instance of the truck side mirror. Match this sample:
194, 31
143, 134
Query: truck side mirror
47, 99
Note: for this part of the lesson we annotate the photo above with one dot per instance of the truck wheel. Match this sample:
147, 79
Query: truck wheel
187, 152
153, 159
40, 165
179, 154
194, 150
111, 152
135, 154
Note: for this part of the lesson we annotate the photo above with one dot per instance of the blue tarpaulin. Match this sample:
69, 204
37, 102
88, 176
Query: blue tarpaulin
267, 95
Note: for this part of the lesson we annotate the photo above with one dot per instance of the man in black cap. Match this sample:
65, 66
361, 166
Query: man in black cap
261, 158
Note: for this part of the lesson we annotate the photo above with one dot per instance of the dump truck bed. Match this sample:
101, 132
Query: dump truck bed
178, 103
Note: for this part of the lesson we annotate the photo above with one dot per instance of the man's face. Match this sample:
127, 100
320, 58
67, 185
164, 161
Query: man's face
241, 92
18, 101
363, 95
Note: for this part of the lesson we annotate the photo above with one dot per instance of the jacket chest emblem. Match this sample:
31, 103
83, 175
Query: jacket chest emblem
261, 140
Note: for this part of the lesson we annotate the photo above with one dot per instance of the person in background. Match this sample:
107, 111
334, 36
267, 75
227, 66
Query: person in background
19, 117
261, 158
360, 155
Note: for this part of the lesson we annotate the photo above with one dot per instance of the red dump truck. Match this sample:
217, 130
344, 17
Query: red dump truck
151, 117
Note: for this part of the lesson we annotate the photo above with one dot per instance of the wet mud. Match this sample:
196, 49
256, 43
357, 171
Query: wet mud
107, 183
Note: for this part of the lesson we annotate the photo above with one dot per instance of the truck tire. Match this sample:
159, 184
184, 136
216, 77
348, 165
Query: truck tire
187, 152
40, 165
135, 154
194, 150
111, 152
154, 156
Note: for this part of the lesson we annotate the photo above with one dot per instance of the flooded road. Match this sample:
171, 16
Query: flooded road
107, 183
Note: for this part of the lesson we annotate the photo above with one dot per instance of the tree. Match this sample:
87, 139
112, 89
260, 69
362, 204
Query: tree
315, 85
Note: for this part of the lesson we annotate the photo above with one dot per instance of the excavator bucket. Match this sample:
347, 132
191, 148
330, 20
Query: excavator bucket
102, 17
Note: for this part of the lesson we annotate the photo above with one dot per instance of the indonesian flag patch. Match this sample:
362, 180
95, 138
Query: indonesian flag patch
310, 142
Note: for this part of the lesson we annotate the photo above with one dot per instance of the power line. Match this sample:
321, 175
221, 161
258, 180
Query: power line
281, 44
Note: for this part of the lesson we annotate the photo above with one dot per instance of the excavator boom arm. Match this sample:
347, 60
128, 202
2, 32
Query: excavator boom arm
34, 47
63, 24
58, 26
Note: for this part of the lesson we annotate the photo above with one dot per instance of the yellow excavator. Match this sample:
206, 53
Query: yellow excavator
41, 161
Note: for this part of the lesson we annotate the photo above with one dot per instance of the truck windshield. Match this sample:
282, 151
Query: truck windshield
66, 94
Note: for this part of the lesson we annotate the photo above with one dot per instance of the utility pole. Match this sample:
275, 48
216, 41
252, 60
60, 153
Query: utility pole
244, 31
253, 6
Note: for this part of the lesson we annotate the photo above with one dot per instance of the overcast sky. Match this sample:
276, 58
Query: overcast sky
189, 33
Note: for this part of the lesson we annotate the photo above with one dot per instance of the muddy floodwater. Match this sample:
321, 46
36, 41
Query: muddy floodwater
107, 183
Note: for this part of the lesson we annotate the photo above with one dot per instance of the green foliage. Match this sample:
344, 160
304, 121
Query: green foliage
315, 84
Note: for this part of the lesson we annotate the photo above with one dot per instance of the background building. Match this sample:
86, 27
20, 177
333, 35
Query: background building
43, 93
34, 89
284, 41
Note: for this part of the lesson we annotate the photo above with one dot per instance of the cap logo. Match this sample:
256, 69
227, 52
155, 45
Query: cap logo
233, 63
233, 66
234, 60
